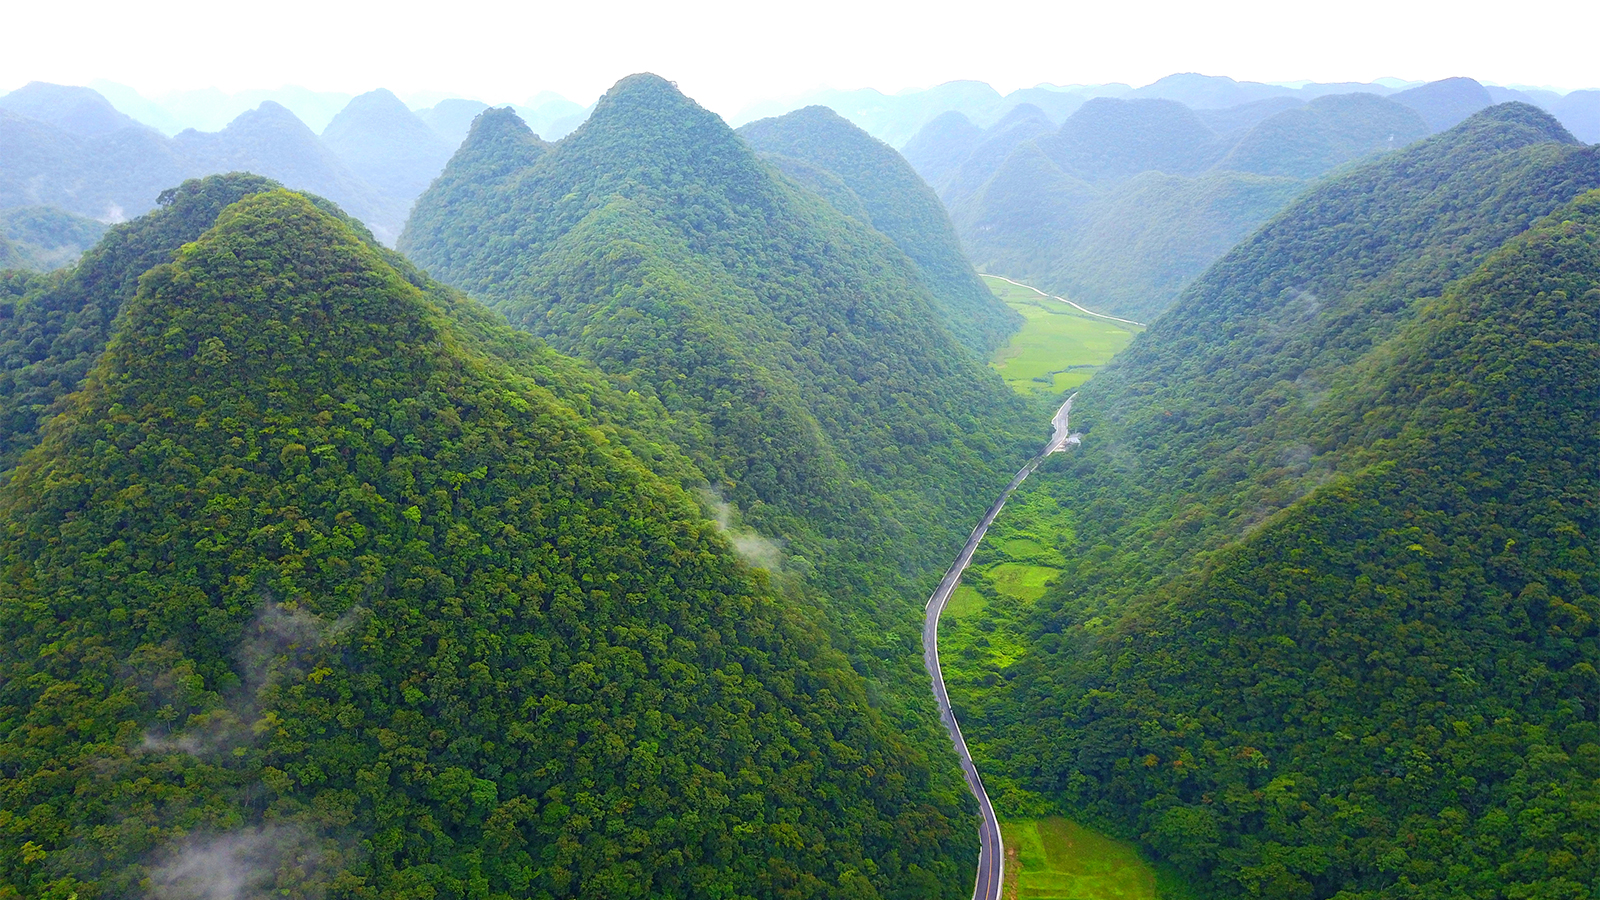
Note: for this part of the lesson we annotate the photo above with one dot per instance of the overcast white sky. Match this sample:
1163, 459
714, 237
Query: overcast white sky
728, 54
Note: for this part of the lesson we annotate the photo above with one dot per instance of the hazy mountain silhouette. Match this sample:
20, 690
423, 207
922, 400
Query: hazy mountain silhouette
387, 145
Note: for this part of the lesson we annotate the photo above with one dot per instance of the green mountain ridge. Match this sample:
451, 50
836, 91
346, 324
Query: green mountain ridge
898, 204
799, 346
1327, 624
324, 577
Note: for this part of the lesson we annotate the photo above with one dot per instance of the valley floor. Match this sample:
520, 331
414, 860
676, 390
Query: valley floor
1051, 857
1059, 346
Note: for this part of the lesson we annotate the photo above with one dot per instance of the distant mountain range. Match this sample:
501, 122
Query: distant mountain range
1125, 201
106, 152
896, 118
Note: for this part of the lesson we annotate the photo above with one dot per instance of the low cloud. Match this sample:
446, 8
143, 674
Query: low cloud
752, 547
271, 861
273, 650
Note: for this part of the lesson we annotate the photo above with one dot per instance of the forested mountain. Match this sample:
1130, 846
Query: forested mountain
897, 203
798, 350
1110, 140
43, 237
1329, 624
990, 152
1326, 133
387, 145
1130, 199
1580, 112
324, 584
892, 119
942, 146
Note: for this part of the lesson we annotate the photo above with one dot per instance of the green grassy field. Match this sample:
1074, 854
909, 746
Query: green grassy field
1057, 859
1058, 347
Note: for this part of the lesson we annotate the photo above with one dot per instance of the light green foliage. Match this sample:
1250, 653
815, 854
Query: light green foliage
1058, 347
1327, 624
325, 580
1058, 859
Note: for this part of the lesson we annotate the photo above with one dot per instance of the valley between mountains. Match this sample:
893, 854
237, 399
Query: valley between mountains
587, 530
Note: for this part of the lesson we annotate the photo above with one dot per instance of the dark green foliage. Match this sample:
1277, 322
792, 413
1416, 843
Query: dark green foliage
901, 206
797, 348
51, 333
501, 148
312, 585
1329, 617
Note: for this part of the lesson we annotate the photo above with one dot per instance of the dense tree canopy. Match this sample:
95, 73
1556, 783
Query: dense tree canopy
897, 203
798, 350
324, 580
1328, 622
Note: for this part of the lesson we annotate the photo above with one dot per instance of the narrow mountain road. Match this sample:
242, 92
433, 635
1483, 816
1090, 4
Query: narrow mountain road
991, 855
1083, 309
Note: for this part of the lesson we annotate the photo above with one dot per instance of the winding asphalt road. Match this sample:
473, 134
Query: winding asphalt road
991, 855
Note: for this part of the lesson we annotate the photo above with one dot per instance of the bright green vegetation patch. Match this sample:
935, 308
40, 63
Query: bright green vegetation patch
981, 631
965, 601
1058, 347
1058, 859
1020, 580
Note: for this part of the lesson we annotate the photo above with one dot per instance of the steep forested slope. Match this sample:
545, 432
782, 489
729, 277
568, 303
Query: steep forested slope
52, 332
1110, 139
898, 204
941, 145
1329, 622
999, 142
1445, 102
829, 403
45, 237
1326, 133
322, 584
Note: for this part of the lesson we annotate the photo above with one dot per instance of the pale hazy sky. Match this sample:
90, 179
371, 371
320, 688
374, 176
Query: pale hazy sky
728, 54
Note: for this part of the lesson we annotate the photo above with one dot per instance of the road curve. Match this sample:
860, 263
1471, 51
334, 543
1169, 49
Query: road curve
1079, 308
991, 855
